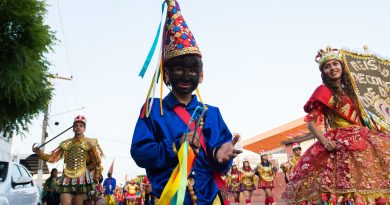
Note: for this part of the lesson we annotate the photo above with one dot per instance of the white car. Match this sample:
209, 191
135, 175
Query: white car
16, 185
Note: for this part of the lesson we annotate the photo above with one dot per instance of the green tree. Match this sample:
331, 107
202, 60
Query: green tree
24, 86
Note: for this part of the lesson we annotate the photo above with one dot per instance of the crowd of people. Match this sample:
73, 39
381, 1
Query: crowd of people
244, 180
136, 191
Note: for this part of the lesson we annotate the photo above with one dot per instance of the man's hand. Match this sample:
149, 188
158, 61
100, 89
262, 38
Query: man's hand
36, 150
227, 152
192, 141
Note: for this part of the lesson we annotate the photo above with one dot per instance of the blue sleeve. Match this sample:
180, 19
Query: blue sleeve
105, 183
147, 148
113, 183
219, 135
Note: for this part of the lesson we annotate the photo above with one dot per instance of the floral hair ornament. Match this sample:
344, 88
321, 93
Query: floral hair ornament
177, 40
326, 55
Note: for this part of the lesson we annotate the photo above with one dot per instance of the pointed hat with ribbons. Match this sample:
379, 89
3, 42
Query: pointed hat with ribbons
177, 40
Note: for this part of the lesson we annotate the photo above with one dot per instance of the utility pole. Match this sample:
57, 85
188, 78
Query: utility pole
44, 132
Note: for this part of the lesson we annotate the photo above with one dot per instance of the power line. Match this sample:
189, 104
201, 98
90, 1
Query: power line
63, 35
63, 97
67, 51
99, 30
67, 111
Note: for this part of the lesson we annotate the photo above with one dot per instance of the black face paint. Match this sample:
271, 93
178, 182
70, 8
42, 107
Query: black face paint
184, 80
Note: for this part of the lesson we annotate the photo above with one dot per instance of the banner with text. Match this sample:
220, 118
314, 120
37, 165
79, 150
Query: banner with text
370, 76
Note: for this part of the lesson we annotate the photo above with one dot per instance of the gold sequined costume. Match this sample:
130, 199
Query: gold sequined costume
289, 166
234, 181
266, 176
247, 180
82, 158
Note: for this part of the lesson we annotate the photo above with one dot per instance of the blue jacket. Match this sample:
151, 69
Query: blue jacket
110, 187
152, 147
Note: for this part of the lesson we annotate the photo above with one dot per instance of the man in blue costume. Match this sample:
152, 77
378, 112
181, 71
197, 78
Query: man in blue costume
161, 131
109, 186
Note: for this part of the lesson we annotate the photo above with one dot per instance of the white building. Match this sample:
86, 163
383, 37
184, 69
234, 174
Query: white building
5, 149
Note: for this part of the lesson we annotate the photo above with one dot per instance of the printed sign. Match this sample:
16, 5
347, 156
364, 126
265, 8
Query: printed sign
371, 81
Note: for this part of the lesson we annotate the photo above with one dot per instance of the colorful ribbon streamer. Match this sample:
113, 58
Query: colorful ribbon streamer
174, 191
154, 45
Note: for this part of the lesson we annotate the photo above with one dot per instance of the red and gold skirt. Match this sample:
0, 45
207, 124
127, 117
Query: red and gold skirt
83, 184
236, 187
358, 171
266, 184
248, 187
131, 196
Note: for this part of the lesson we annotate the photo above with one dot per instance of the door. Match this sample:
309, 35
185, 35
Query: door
19, 195
30, 190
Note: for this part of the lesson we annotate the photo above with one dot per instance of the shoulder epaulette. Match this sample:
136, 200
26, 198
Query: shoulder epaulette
91, 141
66, 143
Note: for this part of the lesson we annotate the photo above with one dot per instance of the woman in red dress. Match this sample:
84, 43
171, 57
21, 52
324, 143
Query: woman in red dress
350, 163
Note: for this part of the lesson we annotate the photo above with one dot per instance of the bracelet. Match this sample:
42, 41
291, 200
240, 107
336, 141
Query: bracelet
215, 150
174, 148
326, 144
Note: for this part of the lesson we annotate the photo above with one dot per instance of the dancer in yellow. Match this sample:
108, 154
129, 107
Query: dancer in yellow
82, 157
247, 182
131, 194
266, 172
234, 183
289, 166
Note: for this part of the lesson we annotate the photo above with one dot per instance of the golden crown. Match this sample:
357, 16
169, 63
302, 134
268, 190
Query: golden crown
328, 54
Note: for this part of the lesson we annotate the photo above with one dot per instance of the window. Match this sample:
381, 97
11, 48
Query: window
15, 173
15, 176
27, 174
3, 171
